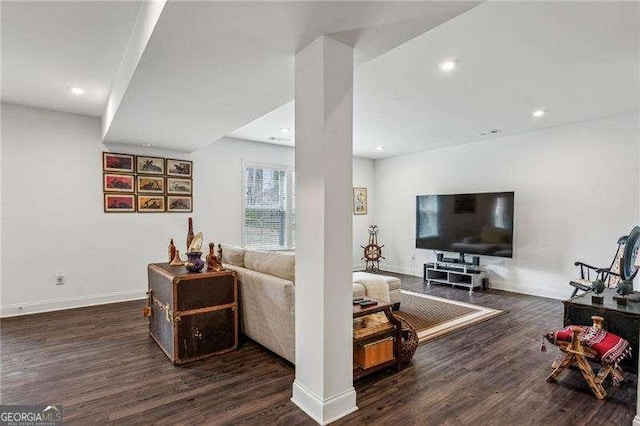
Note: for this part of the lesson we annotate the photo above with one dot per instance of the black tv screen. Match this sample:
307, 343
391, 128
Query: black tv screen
480, 224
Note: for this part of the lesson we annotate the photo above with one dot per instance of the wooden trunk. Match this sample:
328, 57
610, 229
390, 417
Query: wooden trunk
193, 315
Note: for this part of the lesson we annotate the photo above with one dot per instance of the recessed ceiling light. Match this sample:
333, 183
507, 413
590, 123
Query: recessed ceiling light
539, 113
380, 148
76, 90
285, 130
146, 145
447, 66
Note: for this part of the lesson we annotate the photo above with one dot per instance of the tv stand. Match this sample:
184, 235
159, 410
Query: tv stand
475, 260
455, 274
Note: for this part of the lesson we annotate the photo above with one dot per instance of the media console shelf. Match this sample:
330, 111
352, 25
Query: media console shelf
455, 274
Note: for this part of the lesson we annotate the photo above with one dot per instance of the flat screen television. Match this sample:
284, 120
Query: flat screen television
479, 224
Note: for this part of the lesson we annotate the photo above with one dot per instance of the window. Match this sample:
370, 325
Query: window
269, 208
499, 213
428, 208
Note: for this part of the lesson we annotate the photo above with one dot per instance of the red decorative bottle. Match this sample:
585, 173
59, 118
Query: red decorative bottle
171, 250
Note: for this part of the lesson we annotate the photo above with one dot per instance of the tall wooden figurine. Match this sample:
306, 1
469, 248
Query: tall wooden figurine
373, 251
190, 235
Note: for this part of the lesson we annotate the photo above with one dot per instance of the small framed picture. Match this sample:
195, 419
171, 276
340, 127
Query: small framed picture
181, 204
178, 186
151, 203
150, 184
118, 183
359, 201
150, 165
119, 163
119, 203
181, 168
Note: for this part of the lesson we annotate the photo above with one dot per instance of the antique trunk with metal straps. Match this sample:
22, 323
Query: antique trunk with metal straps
192, 315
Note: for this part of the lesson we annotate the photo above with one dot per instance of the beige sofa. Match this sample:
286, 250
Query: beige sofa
267, 295
360, 277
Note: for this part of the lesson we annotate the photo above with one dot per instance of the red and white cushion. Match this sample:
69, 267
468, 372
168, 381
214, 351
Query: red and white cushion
608, 347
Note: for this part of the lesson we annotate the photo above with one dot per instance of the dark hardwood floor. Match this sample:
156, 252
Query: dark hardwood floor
102, 366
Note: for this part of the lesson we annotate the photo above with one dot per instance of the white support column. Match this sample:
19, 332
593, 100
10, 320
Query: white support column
323, 387
636, 420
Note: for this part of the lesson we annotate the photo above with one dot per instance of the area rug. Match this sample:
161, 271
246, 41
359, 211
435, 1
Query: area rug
435, 317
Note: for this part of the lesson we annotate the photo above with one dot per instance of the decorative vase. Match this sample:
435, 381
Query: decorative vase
176, 261
194, 262
171, 250
190, 233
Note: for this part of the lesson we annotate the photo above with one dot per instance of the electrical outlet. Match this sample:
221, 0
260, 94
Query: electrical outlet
59, 279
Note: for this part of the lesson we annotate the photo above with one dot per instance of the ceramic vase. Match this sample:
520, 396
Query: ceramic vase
194, 261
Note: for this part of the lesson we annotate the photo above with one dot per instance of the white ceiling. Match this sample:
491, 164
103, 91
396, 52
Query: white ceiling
212, 67
48, 46
577, 60
267, 128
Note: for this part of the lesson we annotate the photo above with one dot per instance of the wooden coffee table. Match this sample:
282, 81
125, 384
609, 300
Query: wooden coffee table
394, 330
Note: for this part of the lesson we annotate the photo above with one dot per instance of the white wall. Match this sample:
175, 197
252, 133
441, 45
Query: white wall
218, 183
52, 217
576, 192
53, 220
363, 177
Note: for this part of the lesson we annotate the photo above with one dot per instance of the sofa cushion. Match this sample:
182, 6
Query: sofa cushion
279, 264
359, 290
233, 255
394, 283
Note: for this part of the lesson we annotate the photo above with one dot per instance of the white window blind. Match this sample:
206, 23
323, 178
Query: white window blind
268, 207
428, 210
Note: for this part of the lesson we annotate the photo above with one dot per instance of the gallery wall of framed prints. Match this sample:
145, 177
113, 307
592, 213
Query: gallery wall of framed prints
136, 183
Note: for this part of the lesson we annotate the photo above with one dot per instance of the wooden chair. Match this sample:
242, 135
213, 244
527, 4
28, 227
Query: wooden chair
576, 353
622, 266
590, 274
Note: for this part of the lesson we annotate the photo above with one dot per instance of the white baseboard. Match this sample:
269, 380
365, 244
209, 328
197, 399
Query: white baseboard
401, 270
324, 411
69, 303
560, 293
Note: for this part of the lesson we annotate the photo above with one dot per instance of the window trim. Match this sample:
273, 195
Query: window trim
288, 169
